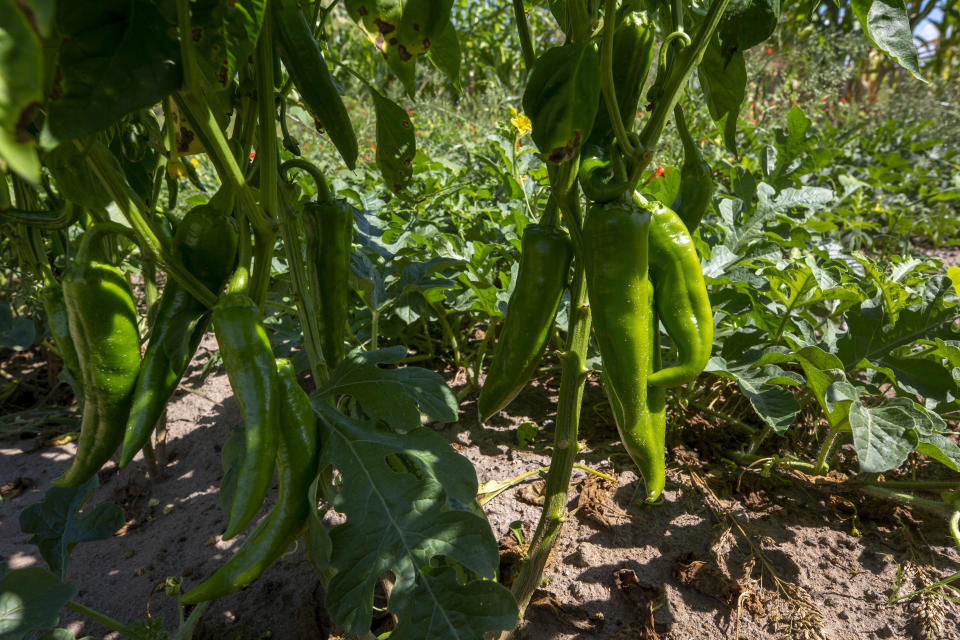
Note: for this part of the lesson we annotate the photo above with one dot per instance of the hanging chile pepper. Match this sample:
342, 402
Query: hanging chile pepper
615, 238
302, 57
102, 321
328, 225
248, 360
696, 178
296, 469
545, 256
206, 240
680, 295
55, 308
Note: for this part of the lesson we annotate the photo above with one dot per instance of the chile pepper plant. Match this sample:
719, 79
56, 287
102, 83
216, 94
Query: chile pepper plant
103, 126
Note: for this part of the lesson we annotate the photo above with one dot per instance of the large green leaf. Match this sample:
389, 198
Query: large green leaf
561, 99
887, 25
117, 56
404, 522
396, 397
762, 384
30, 600
445, 54
723, 80
871, 343
57, 526
744, 227
882, 434
22, 30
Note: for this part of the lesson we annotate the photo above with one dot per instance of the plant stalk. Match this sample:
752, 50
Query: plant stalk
554, 511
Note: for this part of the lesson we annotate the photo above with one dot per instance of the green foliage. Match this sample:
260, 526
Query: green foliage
57, 526
30, 600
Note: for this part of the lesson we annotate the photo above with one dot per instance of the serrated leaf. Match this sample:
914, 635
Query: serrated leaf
396, 142
396, 397
402, 522
773, 404
57, 526
797, 204
117, 56
30, 600
724, 83
561, 99
887, 26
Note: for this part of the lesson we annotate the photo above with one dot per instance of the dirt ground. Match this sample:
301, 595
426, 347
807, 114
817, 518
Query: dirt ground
727, 554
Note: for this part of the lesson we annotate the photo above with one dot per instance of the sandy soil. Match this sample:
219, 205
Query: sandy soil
725, 555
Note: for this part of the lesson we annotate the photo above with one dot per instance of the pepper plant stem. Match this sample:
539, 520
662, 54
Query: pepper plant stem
105, 620
685, 63
523, 30
821, 466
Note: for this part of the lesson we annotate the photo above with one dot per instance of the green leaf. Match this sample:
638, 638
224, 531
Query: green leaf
445, 54
15, 333
30, 600
747, 23
773, 404
117, 56
871, 343
887, 26
57, 527
317, 537
21, 82
940, 448
74, 177
480, 604
822, 369
403, 522
797, 205
561, 99
396, 397
881, 434
225, 34
396, 142
723, 80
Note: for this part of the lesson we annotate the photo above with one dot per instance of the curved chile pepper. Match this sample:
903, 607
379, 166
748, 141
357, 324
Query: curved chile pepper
601, 180
696, 178
55, 308
47, 220
329, 230
615, 238
103, 326
680, 295
296, 470
302, 57
206, 240
248, 359
545, 256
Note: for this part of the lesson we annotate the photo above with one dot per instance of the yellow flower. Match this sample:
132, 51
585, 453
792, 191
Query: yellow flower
194, 161
520, 122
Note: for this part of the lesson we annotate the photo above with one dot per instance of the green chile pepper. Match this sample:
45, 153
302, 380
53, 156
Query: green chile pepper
51, 220
680, 295
248, 359
296, 469
545, 256
55, 308
103, 326
633, 43
615, 238
329, 230
302, 57
206, 240
696, 178
602, 174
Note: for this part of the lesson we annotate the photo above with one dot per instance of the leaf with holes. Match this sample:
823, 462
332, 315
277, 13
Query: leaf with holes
404, 522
